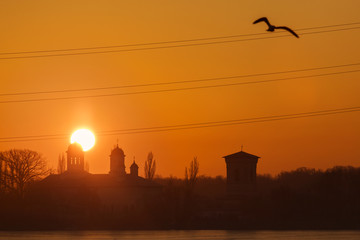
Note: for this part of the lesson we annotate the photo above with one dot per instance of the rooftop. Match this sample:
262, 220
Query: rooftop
241, 154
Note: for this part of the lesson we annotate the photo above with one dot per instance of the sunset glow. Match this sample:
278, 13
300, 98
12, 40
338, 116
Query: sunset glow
84, 137
169, 63
212, 115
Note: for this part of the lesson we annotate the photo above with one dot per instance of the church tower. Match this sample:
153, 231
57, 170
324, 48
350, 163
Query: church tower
134, 169
241, 172
117, 161
75, 158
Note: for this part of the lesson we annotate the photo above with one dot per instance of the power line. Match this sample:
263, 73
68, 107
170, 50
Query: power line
180, 82
236, 123
177, 89
165, 47
192, 125
283, 116
168, 42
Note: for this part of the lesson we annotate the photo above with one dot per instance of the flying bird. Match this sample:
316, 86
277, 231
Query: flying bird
272, 27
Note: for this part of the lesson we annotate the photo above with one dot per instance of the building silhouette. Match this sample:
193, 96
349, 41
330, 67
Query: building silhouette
134, 169
75, 157
240, 172
112, 194
117, 162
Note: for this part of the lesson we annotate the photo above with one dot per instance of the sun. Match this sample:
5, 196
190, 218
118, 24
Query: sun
84, 137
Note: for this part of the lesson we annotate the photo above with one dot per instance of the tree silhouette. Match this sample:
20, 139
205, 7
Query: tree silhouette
22, 166
192, 172
61, 164
150, 166
3, 179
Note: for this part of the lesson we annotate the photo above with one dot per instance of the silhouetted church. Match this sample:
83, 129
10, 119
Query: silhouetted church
241, 172
112, 193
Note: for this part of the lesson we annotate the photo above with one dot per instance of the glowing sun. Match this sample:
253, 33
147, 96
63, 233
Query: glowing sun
84, 137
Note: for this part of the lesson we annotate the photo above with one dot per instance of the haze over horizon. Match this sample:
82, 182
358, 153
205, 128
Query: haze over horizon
315, 142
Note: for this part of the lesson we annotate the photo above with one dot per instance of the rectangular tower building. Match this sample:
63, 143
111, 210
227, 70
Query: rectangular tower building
241, 172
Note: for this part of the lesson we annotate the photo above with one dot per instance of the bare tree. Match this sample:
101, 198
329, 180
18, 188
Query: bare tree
192, 172
61, 164
22, 167
150, 166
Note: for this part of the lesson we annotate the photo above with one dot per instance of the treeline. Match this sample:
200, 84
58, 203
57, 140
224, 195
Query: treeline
300, 199
304, 199
309, 198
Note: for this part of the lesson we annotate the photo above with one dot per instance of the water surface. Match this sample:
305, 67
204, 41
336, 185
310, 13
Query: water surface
180, 235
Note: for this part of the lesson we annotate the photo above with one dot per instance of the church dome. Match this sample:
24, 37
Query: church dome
75, 148
134, 165
117, 151
134, 169
117, 161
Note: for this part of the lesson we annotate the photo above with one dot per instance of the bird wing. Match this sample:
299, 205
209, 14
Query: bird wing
289, 30
263, 19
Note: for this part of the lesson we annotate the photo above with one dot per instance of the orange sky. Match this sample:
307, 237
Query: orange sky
319, 142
